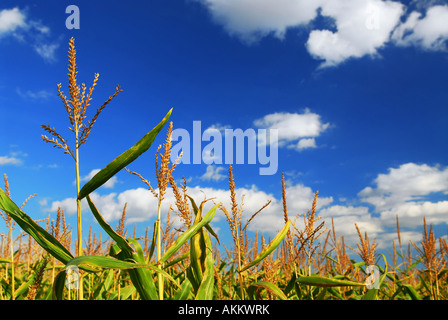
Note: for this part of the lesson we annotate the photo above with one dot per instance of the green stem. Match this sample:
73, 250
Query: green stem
78, 208
11, 249
238, 246
159, 250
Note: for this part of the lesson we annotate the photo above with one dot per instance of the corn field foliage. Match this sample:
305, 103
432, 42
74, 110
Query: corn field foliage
50, 260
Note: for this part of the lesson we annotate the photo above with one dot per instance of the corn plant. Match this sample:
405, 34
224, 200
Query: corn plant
309, 263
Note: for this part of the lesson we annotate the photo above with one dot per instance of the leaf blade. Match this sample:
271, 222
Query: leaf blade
271, 247
189, 233
270, 287
320, 281
123, 160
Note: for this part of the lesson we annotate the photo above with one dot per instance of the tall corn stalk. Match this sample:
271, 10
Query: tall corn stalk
76, 108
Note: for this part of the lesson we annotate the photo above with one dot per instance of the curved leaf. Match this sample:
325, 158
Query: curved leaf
411, 291
271, 247
320, 281
112, 263
121, 242
189, 233
42, 237
271, 287
123, 160
205, 291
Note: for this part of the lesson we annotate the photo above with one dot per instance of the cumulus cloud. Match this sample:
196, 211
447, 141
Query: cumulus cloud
11, 20
345, 217
4, 160
15, 22
429, 32
363, 26
360, 27
251, 20
305, 143
142, 205
403, 191
295, 130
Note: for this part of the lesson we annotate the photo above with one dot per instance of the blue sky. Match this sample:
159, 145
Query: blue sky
356, 89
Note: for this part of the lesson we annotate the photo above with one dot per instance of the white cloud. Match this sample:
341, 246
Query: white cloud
142, 205
411, 213
251, 20
47, 50
4, 160
429, 32
14, 22
306, 143
404, 191
13, 157
11, 20
295, 130
213, 174
363, 27
345, 217
34, 95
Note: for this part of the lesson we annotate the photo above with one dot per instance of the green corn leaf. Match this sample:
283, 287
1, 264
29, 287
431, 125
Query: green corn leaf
126, 292
42, 237
121, 242
192, 279
271, 247
143, 282
185, 291
58, 285
268, 286
411, 291
321, 295
123, 160
112, 263
100, 262
205, 291
414, 264
198, 216
104, 285
197, 254
142, 278
189, 233
371, 294
138, 256
172, 263
154, 240
320, 281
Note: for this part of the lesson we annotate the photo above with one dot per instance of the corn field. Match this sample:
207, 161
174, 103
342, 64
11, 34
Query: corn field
51, 260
